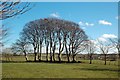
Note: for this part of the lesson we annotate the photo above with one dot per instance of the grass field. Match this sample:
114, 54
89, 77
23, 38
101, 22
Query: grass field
55, 70
24, 69
21, 58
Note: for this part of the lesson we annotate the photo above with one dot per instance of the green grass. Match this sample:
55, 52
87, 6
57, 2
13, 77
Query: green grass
62, 70
54, 70
115, 63
31, 57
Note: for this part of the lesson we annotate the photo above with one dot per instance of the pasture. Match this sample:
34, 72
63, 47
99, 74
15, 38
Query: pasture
54, 70
24, 69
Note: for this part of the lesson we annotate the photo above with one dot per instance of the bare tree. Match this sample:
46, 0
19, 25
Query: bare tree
3, 34
30, 31
53, 33
41, 39
8, 9
40, 32
54, 42
90, 48
67, 46
21, 45
11, 8
60, 42
116, 43
77, 41
50, 28
73, 39
104, 48
46, 42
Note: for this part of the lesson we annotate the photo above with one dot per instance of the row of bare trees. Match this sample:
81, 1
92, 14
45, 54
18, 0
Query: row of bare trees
110, 45
61, 36
53, 34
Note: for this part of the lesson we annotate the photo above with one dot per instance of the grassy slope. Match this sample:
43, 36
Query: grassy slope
54, 70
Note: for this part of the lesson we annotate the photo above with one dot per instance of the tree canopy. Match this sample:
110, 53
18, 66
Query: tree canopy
53, 33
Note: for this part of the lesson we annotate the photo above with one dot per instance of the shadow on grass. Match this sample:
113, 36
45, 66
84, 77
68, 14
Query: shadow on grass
43, 61
96, 69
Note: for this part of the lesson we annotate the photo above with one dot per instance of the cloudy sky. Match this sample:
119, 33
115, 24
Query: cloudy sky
98, 19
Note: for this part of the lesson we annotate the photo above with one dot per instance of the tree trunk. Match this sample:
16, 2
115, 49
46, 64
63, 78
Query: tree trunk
47, 56
73, 54
59, 58
105, 59
35, 56
50, 53
26, 58
47, 46
119, 54
35, 48
54, 48
50, 56
73, 58
50, 48
68, 58
47, 52
67, 52
40, 51
54, 57
90, 59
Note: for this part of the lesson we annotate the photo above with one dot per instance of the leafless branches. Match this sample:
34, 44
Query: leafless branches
90, 48
104, 48
21, 45
116, 44
54, 34
11, 8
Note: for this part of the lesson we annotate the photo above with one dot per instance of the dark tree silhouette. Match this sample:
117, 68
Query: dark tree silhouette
30, 32
53, 34
13, 8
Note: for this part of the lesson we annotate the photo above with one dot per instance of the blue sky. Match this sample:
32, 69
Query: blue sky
98, 19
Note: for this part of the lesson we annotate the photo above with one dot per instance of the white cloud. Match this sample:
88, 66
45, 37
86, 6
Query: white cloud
105, 37
55, 15
85, 24
109, 36
102, 39
105, 22
89, 24
83, 28
94, 41
81, 23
